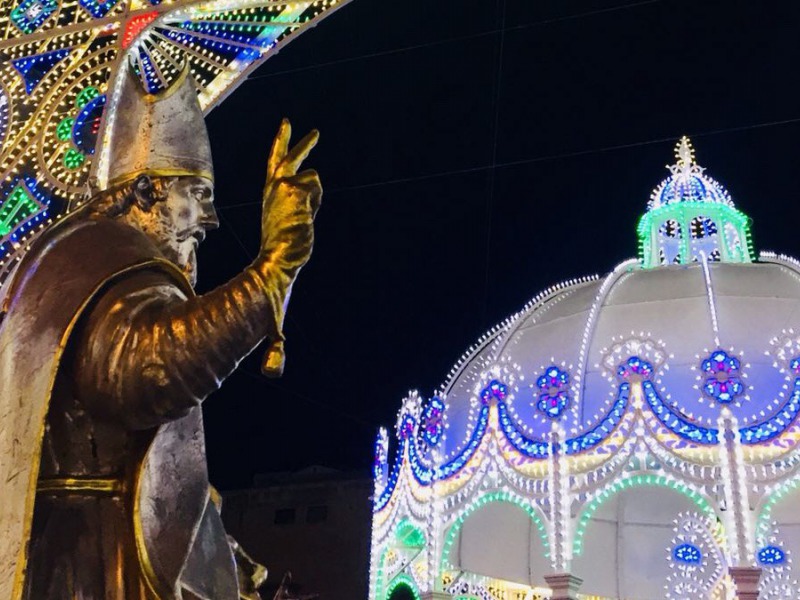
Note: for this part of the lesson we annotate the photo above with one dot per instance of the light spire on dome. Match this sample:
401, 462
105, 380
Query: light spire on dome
690, 216
685, 163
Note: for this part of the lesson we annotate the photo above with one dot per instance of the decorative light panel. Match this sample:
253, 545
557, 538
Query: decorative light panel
59, 81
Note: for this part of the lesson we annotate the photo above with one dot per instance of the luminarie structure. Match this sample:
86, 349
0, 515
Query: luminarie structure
636, 431
59, 86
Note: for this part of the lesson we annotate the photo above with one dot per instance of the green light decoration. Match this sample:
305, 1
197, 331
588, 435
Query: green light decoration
498, 496
17, 208
409, 535
404, 580
85, 95
73, 159
691, 214
64, 129
630, 482
764, 521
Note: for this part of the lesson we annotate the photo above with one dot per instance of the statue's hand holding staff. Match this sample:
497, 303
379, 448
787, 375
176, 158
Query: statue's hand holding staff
291, 199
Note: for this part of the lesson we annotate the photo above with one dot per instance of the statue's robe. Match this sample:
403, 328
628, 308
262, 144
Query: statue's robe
105, 356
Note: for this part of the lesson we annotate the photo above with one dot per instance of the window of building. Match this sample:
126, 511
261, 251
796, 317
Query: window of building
317, 514
284, 516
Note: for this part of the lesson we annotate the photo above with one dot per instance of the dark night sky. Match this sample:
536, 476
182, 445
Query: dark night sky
422, 244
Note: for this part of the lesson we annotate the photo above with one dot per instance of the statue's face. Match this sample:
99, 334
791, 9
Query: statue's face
187, 214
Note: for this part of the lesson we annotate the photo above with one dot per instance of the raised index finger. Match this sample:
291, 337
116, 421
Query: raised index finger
298, 154
279, 147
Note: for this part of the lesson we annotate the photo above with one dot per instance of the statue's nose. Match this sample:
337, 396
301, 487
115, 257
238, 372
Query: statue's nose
210, 220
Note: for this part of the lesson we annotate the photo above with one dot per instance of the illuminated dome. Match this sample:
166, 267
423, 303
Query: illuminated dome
636, 431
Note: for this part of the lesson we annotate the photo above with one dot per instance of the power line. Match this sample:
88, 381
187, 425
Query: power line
498, 80
514, 163
452, 40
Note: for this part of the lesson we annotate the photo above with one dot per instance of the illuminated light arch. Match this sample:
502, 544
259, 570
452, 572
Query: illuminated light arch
608, 492
70, 45
488, 498
405, 580
407, 535
764, 519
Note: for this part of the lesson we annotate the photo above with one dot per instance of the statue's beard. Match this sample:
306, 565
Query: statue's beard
179, 246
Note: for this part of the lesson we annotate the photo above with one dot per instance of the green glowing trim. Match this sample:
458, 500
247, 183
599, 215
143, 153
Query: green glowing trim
405, 580
73, 159
723, 216
18, 207
627, 483
64, 129
409, 535
85, 95
764, 521
503, 496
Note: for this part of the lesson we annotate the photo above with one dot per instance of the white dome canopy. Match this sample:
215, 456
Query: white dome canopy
673, 317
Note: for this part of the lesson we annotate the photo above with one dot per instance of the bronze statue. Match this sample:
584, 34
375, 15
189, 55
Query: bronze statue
106, 355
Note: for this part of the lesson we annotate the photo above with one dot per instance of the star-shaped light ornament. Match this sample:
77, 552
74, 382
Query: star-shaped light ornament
60, 71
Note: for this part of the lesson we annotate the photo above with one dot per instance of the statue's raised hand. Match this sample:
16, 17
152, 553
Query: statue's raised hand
291, 200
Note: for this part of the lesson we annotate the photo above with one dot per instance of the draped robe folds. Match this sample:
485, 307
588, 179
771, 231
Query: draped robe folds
105, 356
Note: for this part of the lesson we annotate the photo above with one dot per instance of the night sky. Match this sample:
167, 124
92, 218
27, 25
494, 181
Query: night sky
474, 152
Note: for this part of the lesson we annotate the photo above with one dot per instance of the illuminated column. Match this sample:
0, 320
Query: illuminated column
563, 583
738, 522
434, 535
746, 580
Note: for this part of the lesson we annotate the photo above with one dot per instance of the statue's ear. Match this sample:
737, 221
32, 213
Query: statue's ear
144, 193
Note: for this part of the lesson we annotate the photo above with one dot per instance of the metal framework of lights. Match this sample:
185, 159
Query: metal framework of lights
639, 437
52, 132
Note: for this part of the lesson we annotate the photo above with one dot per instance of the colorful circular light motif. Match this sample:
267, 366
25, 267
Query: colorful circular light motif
553, 398
771, 556
688, 554
634, 370
496, 390
723, 379
433, 421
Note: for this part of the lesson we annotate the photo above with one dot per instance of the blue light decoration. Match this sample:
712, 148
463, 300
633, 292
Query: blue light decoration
777, 423
525, 445
635, 369
723, 382
794, 365
380, 466
433, 421
86, 126
495, 391
406, 428
29, 15
675, 422
98, 8
771, 556
34, 68
553, 397
688, 554
607, 425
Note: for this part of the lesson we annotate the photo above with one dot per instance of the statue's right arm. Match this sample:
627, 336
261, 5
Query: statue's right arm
147, 354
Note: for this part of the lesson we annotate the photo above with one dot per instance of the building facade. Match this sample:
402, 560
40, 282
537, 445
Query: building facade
313, 523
